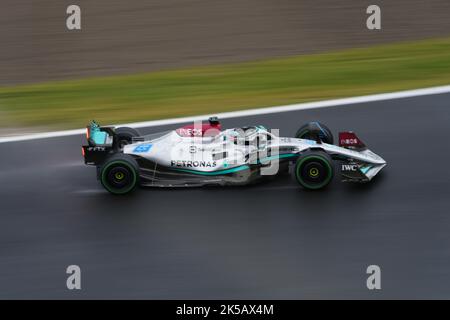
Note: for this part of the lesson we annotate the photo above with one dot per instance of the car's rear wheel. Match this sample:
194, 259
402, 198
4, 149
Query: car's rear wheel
125, 135
120, 174
308, 130
314, 170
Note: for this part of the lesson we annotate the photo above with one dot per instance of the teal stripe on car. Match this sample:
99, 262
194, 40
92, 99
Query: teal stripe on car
235, 169
215, 173
280, 156
365, 169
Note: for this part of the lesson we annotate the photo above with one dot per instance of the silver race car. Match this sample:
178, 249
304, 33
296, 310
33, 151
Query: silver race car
202, 154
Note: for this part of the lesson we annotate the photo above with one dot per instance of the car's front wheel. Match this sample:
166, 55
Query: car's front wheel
119, 174
314, 170
308, 131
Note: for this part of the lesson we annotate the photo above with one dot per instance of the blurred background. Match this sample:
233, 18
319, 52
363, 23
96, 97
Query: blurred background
142, 60
153, 59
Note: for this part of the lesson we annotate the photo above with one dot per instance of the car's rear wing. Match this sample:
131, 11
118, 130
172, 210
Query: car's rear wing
101, 142
99, 136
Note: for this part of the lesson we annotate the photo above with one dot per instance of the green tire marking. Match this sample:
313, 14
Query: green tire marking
309, 186
114, 190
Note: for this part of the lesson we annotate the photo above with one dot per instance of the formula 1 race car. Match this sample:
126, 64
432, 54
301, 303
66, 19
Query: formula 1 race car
202, 154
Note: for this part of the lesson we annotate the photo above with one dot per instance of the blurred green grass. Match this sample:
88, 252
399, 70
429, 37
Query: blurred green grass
227, 87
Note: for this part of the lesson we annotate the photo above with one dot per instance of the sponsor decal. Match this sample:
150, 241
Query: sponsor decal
190, 132
349, 141
142, 148
193, 164
349, 167
192, 149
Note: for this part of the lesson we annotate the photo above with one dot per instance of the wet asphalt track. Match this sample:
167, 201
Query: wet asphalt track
268, 241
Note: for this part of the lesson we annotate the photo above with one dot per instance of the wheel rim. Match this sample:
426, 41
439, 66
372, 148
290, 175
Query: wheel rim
314, 172
119, 177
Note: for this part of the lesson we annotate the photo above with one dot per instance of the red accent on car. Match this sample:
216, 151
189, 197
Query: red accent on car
203, 130
348, 139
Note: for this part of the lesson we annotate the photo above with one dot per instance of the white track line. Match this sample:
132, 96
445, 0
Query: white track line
250, 112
